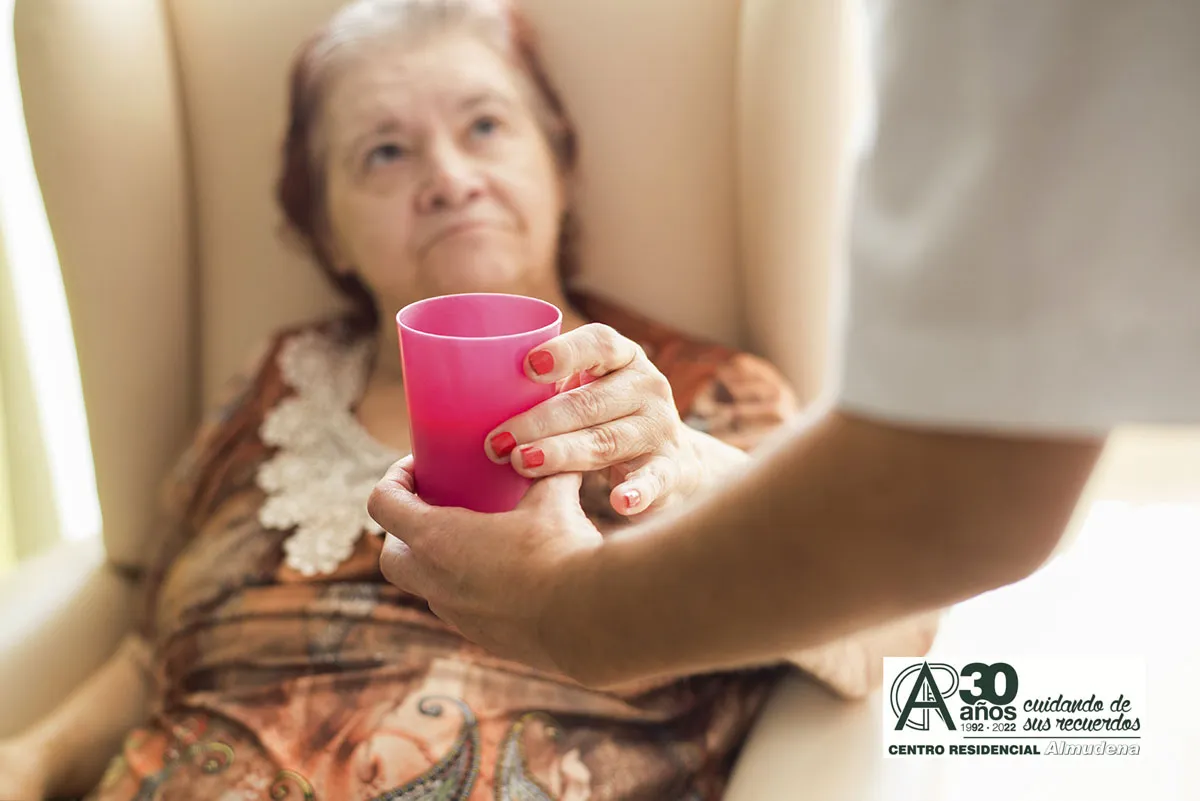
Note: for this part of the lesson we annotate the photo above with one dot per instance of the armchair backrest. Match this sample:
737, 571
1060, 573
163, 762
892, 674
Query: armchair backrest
712, 139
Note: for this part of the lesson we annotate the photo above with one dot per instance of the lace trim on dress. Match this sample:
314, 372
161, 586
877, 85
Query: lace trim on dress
327, 464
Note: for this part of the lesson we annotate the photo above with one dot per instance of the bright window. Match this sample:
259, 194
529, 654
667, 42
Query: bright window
42, 312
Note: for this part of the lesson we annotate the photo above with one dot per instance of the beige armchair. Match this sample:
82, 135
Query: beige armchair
713, 139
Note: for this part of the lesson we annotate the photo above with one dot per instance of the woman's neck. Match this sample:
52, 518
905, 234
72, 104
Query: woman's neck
387, 352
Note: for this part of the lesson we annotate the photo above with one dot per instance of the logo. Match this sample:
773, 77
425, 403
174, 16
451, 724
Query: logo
1014, 707
924, 696
982, 685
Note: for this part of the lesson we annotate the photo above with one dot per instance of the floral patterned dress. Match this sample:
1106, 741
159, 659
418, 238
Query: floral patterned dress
284, 667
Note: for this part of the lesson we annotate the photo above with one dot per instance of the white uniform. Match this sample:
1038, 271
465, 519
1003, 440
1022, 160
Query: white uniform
1025, 250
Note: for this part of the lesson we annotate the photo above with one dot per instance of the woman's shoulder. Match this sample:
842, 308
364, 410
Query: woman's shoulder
729, 393
269, 361
301, 354
339, 332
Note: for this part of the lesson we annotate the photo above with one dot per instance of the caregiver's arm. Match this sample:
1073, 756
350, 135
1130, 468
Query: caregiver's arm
841, 526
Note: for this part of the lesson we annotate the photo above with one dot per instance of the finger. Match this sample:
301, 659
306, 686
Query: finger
402, 473
645, 486
574, 381
611, 398
590, 449
394, 504
594, 348
553, 493
444, 615
400, 567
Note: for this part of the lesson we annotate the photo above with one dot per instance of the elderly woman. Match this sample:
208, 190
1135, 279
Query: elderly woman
427, 154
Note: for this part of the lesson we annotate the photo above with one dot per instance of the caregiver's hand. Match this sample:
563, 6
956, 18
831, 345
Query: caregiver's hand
614, 410
492, 577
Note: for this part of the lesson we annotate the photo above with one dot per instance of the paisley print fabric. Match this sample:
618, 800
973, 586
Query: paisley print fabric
270, 683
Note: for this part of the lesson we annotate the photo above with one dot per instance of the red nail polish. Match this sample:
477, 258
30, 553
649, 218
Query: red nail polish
632, 499
533, 457
503, 444
542, 361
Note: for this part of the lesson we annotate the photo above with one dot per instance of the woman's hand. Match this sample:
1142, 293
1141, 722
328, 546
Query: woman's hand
495, 578
615, 411
23, 774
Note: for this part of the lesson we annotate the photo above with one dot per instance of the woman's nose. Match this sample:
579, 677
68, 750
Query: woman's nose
452, 181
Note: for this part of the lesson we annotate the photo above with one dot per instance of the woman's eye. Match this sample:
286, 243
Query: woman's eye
385, 154
485, 126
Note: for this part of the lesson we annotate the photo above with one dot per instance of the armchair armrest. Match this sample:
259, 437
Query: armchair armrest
62, 615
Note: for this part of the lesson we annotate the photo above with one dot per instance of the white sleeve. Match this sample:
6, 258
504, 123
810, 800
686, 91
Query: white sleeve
1025, 238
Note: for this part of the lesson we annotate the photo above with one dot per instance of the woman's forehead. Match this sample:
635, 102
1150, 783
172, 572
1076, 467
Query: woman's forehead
445, 75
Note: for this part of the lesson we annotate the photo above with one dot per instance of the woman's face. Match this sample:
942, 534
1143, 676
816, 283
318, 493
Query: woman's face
439, 178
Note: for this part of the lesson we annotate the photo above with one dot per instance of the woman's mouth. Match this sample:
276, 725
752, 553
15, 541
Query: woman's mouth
458, 229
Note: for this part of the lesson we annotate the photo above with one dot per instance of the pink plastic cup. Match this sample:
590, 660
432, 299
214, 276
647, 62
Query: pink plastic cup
463, 359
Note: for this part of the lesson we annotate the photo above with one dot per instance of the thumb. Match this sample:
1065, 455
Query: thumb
394, 503
557, 491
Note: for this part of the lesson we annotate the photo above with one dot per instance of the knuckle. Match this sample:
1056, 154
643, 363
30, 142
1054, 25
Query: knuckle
567, 354
661, 476
394, 563
608, 342
660, 388
656, 419
657, 434
435, 550
580, 341
377, 502
604, 442
585, 406
668, 416
536, 425
657, 482
440, 610
436, 595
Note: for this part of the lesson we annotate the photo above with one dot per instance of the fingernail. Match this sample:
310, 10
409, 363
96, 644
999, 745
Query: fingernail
503, 444
542, 361
533, 457
632, 499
